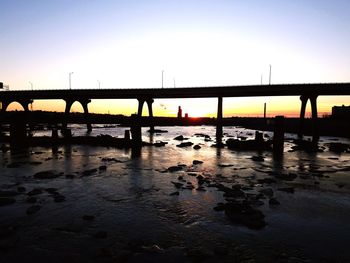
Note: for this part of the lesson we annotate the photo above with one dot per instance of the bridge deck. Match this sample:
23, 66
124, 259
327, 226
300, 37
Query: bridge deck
191, 92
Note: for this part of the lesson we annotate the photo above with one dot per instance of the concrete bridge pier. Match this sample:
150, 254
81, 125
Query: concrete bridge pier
150, 111
84, 103
313, 101
219, 132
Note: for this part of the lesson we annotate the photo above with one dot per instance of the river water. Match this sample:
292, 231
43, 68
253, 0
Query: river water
131, 216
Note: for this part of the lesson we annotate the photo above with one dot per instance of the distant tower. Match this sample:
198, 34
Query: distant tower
179, 113
186, 115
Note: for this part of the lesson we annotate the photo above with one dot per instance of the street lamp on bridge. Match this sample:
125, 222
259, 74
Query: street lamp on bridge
70, 80
31, 85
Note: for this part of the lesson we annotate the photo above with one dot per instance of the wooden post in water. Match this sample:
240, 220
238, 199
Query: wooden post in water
136, 130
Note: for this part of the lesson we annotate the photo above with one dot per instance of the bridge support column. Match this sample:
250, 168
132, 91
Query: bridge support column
85, 103
315, 134
313, 101
304, 100
150, 113
69, 104
219, 132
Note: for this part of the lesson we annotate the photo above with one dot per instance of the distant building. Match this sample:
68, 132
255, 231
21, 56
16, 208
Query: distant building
186, 115
179, 113
341, 112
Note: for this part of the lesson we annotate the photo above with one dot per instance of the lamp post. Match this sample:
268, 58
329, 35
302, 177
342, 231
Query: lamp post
270, 76
162, 78
174, 83
31, 85
70, 80
99, 84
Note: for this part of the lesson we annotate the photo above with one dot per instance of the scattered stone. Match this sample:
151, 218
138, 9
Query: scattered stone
102, 168
223, 165
266, 181
177, 184
35, 191
51, 190
184, 144
242, 213
33, 209
180, 138
267, 191
338, 147
180, 178
195, 162
175, 168
45, 175
274, 201
287, 189
88, 217
197, 147
70, 176
21, 189
219, 207
258, 158
7, 201
175, 193
192, 174
89, 172
160, 144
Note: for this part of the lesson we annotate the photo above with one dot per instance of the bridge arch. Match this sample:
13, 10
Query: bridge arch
24, 104
313, 101
84, 103
149, 102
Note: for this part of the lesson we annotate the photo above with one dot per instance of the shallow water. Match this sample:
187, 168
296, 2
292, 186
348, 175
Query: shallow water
132, 205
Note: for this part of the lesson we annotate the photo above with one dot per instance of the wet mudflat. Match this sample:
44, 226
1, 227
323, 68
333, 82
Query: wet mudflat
194, 203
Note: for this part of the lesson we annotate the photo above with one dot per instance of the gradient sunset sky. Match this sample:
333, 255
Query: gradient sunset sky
127, 44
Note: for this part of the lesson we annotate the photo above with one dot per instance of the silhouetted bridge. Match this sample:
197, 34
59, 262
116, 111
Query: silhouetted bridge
84, 96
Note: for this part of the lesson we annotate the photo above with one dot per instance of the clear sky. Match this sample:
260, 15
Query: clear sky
127, 44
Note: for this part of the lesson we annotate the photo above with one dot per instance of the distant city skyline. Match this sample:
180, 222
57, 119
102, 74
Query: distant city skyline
147, 44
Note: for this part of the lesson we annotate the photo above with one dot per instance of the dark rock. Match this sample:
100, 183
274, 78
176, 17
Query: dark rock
242, 213
89, 172
197, 147
177, 184
31, 199
45, 175
7, 201
180, 178
35, 191
107, 159
160, 144
195, 162
33, 209
338, 147
266, 181
51, 190
184, 144
267, 191
35, 163
258, 158
102, 168
88, 217
175, 193
180, 138
21, 189
274, 201
174, 168
70, 176
220, 207
286, 189
201, 188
